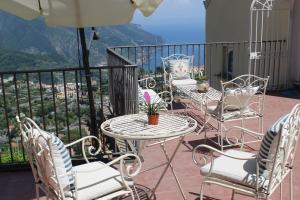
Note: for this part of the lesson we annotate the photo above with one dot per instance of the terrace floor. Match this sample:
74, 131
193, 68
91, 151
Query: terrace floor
19, 185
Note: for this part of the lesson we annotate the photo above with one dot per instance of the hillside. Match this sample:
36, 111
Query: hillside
32, 44
15, 60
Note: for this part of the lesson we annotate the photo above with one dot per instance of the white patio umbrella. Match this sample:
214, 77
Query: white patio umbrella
80, 14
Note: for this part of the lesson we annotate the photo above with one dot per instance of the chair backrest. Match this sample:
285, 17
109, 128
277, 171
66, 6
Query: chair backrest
286, 148
147, 83
243, 92
39, 150
179, 66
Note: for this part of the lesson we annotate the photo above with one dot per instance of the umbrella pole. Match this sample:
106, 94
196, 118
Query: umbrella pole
86, 65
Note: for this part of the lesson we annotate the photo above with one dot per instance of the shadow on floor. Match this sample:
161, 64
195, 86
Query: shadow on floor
292, 93
204, 197
194, 143
144, 193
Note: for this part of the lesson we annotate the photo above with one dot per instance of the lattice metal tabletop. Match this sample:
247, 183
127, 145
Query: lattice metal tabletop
192, 92
135, 127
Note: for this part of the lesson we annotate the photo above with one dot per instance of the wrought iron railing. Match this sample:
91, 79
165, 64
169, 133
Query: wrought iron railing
218, 61
57, 100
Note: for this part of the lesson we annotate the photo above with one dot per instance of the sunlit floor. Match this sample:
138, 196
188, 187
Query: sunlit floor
19, 185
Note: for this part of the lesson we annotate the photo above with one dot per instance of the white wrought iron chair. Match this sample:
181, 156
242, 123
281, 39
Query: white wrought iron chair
164, 98
178, 71
241, 98
58, 179
238, 170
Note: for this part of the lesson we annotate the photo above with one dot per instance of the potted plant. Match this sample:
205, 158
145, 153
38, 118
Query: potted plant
151, 108
203, 85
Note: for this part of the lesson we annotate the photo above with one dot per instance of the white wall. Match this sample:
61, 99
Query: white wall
294, 63
229, 21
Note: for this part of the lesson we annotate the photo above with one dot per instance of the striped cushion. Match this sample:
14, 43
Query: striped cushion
62, 153
269, 145
61, 158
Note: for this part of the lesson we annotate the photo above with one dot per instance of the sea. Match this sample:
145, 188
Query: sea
178, 33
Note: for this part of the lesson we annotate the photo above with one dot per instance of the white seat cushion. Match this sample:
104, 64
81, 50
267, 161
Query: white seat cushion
180, 82
233, 170
228, 114
97, 183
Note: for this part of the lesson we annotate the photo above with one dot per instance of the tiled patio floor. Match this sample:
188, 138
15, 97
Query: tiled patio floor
19, 185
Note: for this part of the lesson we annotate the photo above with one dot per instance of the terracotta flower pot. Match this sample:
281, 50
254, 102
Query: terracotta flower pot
153, 119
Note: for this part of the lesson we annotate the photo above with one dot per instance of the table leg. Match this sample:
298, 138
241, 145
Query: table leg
169, 164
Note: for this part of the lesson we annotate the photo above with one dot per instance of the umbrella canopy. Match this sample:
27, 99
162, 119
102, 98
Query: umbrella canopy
80, 13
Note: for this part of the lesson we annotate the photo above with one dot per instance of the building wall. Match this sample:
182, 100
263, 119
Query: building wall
294, 63
229, 21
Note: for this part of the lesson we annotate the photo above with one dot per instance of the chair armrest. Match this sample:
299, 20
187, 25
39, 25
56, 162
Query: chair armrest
214, 150
169, 79
149, 82
161, 95
130, 172
90, 149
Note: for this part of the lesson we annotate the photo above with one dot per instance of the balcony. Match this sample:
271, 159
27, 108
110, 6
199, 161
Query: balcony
57, 100
187, 172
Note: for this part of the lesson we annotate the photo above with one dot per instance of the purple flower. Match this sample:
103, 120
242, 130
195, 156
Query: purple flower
147, 97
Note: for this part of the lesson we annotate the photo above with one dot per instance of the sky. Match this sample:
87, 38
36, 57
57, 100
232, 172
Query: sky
172, 12
176, 21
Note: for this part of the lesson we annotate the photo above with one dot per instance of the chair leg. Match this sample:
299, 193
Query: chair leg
281, 191
132, 195
135, 191
221, 135
232, 195
261, 124
47, 193
291, 184
202, 190
205, 129
243, 134
37, 192
267, 197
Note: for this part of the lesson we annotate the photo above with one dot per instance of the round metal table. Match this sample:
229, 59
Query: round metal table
135, 127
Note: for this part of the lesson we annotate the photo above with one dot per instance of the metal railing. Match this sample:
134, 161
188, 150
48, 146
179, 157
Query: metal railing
218, 61
57, 100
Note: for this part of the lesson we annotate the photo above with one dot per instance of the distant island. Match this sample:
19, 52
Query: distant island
34, 45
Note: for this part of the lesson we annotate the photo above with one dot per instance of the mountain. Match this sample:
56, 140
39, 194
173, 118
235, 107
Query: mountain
11, 60
32, 44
